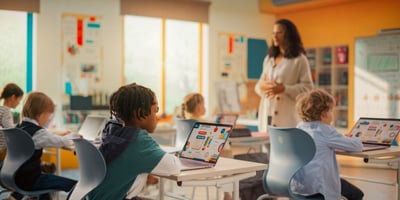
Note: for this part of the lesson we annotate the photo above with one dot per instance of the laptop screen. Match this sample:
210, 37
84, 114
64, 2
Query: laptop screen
206, 141
227, 119
92, 126
376, 130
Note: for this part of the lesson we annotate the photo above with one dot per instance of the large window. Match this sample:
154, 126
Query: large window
16, 33
13, 47
165, 55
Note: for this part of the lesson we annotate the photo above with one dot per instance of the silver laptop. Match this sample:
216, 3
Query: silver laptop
375, 133
227, 119
204, 145
91, 127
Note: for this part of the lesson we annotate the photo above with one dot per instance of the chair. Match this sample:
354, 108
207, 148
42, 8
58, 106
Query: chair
183, 128
20, 148
92, 168
291, 149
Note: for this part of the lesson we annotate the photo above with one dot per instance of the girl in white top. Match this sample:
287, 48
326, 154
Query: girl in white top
12, 95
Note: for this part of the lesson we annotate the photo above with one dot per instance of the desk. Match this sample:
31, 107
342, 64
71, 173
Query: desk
227, 171
393, 151
250, 141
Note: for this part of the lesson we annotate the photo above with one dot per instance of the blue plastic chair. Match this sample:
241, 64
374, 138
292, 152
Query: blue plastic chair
20, 148
92, 169
291, 149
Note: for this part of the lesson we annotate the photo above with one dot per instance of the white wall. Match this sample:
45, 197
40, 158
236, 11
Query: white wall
49, 69
235, 16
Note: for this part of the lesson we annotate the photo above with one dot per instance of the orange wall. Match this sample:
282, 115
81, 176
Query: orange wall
341, 24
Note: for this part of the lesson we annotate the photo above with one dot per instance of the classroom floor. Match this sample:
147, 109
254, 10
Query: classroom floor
349, 166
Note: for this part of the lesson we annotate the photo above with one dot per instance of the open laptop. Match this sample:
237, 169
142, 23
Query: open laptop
227, 119
204, 145
375, 133
91, 127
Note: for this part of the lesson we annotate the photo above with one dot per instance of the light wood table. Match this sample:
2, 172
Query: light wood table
226, 171
392, 153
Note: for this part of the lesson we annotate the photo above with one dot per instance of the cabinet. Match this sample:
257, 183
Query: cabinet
329, 70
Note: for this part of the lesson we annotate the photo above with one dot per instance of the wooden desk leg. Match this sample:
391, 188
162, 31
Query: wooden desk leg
398, 179
58, 169
236, 190
161, 190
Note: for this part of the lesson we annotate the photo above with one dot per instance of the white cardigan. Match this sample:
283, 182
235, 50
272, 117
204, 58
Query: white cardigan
295, 74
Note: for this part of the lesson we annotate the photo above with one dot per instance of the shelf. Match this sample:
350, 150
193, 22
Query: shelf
330, 72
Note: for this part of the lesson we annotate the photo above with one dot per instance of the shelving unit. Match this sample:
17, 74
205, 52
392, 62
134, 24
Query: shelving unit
329, 69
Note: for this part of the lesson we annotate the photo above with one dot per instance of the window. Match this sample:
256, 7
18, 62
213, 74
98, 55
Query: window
13, 46
16, 50
165, 55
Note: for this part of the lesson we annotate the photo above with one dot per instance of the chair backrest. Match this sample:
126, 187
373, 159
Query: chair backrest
183, 128
291, 149
20, 148
92, 168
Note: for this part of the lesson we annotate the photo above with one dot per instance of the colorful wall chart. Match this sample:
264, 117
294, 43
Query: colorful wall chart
82, 53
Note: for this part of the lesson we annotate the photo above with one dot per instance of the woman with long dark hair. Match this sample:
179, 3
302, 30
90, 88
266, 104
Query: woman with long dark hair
286, 74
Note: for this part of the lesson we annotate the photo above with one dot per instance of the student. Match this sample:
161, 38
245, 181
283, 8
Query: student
193, 107
286, 74
12, 95
321, 175
129, 151
37, 112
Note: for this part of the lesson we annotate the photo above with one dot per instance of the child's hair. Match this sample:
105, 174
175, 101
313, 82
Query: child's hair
37, 103
190, 103
131, 101
11, 89
312, 104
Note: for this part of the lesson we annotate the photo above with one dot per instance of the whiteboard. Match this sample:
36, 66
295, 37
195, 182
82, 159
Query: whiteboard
377, 76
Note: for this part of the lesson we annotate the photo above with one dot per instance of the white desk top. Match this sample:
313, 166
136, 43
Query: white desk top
392, 151
224, 167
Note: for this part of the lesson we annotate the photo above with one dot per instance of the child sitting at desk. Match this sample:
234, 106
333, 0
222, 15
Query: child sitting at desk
321, 174
193, 107
37, 112
130, 153
12, 95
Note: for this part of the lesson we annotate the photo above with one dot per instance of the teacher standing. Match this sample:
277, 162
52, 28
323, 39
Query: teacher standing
286, 74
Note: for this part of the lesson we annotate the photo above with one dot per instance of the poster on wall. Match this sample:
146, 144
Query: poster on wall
232, 59
377, 77
82, 53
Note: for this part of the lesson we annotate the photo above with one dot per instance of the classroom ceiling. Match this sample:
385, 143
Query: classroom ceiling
268, 6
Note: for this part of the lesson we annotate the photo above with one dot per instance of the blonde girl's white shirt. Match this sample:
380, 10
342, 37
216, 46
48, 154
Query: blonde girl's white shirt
295, 75
43, 138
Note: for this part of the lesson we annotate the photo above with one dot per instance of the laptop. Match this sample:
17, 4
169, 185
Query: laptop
204, 145
375, 133
227, 119
91, 127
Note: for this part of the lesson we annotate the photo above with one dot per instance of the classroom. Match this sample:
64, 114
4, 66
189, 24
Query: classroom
78, 52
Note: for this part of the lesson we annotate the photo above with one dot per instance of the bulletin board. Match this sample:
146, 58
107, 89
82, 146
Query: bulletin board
377, 76
232, 60
256, 51
232, 56
82, 52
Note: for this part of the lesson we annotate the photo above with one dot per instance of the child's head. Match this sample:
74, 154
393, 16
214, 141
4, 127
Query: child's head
135, 105
12, 95
193, 104
38, 106
315, 105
